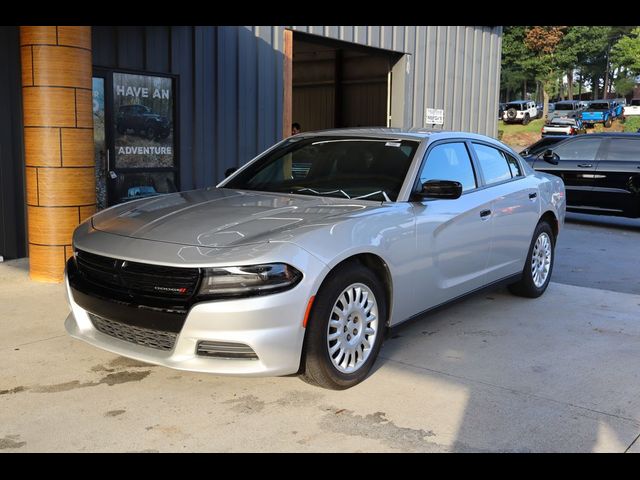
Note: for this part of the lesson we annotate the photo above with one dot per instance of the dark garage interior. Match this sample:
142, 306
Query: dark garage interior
337, 84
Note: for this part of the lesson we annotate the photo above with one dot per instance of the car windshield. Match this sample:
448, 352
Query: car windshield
565, 106
353, 167
599, 106
517, 106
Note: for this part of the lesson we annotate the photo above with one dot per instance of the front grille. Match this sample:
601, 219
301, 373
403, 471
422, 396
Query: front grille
133, 278
147, 337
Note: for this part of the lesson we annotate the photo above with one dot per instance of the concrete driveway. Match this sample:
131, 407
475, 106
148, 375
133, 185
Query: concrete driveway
492, 373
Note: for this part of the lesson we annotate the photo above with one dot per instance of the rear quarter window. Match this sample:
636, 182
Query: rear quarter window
624, 149
493, 163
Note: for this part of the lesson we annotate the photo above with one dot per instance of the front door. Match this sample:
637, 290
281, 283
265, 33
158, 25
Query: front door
577, 168
453, 236
135, 135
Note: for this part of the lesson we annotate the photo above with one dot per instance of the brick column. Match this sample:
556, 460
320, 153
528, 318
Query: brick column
58, 141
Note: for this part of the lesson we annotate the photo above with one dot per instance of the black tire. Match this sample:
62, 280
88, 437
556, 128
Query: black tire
511, 114
526, 287
525, 120
607, 123
151, 132
318, 368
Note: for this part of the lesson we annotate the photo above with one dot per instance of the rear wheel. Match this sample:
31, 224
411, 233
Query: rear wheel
151, 132
539, 264
345, 328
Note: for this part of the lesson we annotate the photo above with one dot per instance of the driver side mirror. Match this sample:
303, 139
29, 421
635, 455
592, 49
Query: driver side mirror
550, 157
445, 189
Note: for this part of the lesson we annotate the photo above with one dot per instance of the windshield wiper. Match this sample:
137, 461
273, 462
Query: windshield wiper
384, 194
322, 193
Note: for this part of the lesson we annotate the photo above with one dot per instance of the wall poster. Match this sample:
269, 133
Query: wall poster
143, 135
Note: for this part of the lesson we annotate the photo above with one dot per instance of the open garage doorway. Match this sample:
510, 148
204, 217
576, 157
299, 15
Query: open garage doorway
338, 84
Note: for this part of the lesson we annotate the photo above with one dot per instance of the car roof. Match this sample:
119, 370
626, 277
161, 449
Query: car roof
568, 101
394, 133
612, 135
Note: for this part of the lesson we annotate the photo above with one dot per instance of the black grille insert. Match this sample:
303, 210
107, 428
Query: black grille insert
138, 279
147, 337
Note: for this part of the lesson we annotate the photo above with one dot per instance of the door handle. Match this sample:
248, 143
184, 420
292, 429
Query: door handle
585, 165
533, 195
484, 214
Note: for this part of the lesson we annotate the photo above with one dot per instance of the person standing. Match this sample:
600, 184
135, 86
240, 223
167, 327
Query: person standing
295, 128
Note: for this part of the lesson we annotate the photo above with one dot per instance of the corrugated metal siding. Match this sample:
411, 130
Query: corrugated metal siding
231, 81
456, 68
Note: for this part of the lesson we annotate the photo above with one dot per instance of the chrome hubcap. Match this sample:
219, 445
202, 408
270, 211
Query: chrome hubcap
541, 260
352, 329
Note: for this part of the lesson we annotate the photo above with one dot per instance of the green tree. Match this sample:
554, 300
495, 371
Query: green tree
543, 42
624, 85
626, 52
515, 73
582, 50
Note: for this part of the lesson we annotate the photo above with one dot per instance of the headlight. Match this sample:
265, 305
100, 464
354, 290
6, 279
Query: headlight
249, 280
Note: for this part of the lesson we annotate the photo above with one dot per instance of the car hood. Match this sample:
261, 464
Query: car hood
223, 217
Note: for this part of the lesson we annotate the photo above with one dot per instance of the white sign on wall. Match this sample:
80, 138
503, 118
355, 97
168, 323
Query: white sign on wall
434, 116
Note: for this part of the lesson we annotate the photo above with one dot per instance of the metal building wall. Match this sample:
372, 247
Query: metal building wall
455, 68
230, 88
231, 81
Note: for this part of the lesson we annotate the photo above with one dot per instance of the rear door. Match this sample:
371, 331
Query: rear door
515, 209
577, 168
617, 185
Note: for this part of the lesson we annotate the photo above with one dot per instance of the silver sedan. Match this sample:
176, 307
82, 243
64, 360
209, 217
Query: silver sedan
301, 260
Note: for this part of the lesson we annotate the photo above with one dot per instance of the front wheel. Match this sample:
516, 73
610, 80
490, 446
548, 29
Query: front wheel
539, 264
345, 328
525, 120
607, 123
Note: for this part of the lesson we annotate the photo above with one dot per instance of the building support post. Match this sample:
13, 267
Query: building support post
58, 141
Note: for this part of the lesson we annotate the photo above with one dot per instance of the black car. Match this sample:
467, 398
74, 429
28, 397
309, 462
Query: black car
141, 119
601, 171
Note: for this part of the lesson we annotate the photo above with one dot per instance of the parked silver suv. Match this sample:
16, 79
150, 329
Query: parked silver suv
566, 109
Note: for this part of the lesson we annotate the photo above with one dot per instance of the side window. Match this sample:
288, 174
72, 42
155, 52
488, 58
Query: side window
449, 161
514, 166
624, 150
493, 164
579, 149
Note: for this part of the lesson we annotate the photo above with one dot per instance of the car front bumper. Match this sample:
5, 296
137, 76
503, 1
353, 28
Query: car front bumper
272, 325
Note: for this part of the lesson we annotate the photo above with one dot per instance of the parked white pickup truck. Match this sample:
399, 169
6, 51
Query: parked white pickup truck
632, 109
